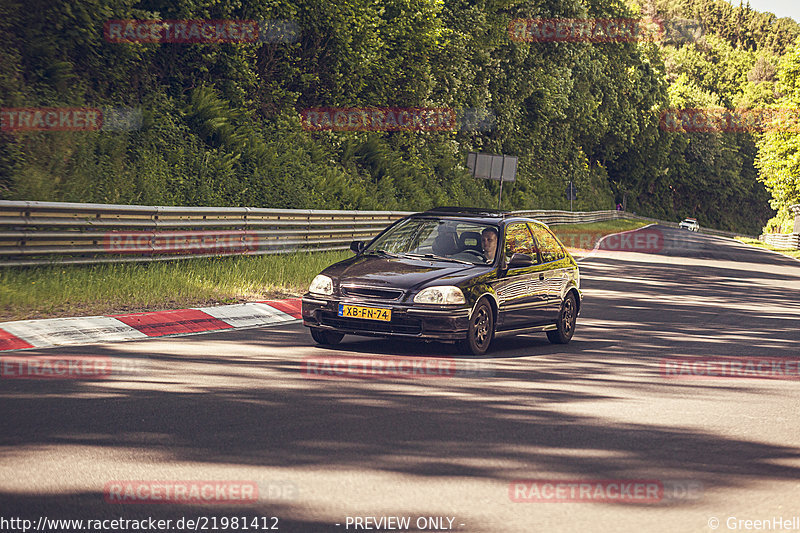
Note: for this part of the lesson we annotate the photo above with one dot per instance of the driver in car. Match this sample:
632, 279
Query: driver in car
489, 243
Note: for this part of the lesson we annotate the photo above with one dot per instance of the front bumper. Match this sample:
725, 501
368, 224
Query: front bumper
412, 321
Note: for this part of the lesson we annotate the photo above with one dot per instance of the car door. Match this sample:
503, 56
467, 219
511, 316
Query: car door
520, 291
555, 273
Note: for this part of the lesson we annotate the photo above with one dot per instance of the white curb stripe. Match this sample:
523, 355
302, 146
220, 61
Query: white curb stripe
80, 330
247, 315
49, 332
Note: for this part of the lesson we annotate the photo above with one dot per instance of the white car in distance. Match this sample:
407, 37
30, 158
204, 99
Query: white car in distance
690, 224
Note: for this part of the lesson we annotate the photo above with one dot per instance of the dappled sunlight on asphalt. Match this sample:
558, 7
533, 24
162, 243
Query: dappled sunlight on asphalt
243, 405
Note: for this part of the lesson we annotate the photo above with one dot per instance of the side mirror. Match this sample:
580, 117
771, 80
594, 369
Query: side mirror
520, 260
357, 246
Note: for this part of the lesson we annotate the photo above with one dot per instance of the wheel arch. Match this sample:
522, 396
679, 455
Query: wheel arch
492, 298
577, 294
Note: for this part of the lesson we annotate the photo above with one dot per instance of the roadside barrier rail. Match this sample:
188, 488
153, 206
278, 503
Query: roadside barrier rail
34, 233
784, 241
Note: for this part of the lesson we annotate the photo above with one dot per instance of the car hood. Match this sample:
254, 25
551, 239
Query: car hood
401, 272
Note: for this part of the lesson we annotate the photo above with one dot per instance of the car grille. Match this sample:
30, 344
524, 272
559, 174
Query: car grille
408, 326
372, 292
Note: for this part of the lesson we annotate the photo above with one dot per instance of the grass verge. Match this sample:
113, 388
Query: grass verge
80, 290
756, 242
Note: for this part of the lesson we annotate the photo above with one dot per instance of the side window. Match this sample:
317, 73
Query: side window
549, 247
519, 241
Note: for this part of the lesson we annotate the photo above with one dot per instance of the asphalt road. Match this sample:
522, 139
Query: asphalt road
242, 406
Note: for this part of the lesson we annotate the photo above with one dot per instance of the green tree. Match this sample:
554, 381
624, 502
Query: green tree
778, 158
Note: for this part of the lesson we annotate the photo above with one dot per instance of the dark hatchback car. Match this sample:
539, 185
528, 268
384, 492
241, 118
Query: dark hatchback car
450, 274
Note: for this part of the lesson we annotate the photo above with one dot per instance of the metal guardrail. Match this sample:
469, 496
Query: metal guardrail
706, 231
70, 233
569, 217
572, 217
785, 241
34, 233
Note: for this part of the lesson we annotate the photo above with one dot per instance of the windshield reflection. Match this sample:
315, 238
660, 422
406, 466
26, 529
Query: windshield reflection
438, 239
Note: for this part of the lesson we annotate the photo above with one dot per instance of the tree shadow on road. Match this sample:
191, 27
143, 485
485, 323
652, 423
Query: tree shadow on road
242, 398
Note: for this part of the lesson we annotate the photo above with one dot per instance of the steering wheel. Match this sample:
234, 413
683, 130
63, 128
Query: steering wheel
471, 251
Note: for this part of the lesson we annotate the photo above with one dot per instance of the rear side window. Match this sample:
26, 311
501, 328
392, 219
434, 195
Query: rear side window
549, 247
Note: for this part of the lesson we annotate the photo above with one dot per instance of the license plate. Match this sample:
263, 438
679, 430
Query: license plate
369, 313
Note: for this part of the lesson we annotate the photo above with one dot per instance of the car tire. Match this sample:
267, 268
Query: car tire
324, 336
565, 327
480, 331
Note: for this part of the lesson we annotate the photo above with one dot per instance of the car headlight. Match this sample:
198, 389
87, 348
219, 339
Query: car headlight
440, 295
321, 285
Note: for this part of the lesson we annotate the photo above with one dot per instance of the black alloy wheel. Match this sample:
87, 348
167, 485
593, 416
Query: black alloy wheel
481, 330
565, 327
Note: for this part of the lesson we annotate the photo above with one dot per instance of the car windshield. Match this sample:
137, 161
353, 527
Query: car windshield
435, 238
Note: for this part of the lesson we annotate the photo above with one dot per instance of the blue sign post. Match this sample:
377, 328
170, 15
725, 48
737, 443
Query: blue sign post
572, 193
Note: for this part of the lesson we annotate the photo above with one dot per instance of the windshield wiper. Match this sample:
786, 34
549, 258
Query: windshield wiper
440, 257
380, 252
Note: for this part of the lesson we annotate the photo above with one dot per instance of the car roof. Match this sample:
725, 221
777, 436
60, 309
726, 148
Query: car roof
466, 211
477, 214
